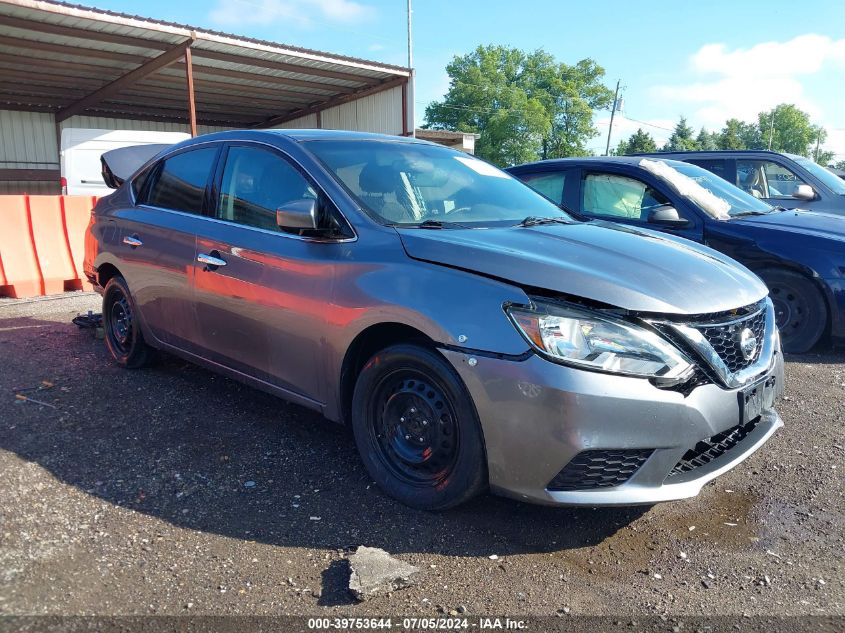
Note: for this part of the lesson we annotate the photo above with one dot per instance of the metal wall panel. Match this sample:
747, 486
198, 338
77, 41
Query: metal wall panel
35, 188
381, 112
108, 123
28, 140
307, 122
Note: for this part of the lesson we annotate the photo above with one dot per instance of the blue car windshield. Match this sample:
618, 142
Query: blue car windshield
729, 200
836, 184
410, 184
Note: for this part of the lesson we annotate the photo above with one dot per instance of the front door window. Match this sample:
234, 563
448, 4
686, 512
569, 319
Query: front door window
619, 197
766, 179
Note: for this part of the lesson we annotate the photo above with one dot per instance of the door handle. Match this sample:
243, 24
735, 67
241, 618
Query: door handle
131, 240
210, 261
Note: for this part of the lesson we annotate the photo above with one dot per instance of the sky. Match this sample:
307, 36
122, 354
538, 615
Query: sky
708, 61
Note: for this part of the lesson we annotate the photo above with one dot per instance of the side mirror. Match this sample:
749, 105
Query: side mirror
297, 215
804, 192
667, 215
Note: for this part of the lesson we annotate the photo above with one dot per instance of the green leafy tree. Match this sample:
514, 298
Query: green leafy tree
731, 137
682, 138
706, 141
751, 136
825, 157
638, 142
790, 130
839, 165
739, 135
524, 105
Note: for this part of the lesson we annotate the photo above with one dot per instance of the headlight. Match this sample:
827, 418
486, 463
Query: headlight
585, 339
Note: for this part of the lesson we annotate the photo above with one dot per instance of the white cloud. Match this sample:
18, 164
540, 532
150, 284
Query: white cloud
299, 13
740, 83
803, 55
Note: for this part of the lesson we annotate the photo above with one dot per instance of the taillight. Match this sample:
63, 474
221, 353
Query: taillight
63, 183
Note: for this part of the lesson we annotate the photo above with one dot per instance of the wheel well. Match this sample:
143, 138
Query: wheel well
106, 272
367, 343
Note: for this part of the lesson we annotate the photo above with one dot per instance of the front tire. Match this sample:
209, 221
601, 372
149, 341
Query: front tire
121, 328
800, 310
416, 429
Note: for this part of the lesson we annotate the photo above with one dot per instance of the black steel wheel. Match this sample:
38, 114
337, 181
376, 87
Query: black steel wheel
800, 310
122, 333
416, 429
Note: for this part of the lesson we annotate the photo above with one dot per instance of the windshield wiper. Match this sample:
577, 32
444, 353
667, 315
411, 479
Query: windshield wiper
436, 224
742, 213
533, 220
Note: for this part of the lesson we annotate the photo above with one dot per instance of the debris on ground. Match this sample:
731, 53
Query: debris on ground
374, 572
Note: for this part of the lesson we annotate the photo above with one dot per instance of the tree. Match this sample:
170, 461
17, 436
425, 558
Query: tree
739, 135
790, 130
524, 105
751, 137
682, 138
839, 165
638, 142
706, 141
731, 135
825, 157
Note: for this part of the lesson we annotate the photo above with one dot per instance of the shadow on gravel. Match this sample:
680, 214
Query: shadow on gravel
835, 356
206, 453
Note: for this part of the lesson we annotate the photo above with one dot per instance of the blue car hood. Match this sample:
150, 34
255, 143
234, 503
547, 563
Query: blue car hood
803, 222
637, 270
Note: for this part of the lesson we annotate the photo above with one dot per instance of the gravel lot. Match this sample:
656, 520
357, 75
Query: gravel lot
173, 490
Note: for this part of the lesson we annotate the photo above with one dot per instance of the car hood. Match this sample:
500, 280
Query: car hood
636, 270
803, 222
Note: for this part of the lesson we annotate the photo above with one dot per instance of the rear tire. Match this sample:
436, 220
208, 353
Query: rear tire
800, 310
416, 429
121, 328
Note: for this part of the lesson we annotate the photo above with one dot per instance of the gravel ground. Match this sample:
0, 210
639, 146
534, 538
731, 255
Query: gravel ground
173, 490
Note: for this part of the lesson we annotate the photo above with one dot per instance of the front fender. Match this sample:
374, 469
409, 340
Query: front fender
451, 307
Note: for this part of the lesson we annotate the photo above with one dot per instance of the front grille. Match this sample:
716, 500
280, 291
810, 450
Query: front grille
599, 469
713, 447
725, 340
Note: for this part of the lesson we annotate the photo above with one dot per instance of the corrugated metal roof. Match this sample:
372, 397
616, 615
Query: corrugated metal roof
52, 54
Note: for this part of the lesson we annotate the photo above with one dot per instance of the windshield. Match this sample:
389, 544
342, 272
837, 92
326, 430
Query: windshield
834, 182
410, 184
719, 198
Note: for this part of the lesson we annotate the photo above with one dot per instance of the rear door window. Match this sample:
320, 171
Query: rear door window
716, 166
180, 181
550, 184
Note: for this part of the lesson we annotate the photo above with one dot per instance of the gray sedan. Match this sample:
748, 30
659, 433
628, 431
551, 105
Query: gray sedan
471, 333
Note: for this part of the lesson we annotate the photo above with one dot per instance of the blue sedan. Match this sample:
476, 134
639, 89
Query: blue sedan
799, 254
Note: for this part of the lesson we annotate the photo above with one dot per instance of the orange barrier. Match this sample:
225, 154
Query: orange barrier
42, 244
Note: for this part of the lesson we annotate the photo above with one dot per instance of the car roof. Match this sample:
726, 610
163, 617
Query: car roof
717, 152
300, 135
633, 160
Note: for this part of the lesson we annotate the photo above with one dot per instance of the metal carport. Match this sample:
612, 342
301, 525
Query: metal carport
76, 63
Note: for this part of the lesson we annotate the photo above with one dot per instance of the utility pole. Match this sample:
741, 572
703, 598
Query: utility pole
410, 38
612, 113
411, 89
818, 142
771, 129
